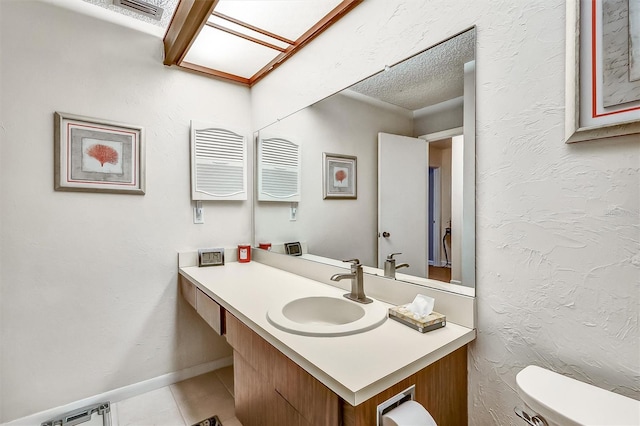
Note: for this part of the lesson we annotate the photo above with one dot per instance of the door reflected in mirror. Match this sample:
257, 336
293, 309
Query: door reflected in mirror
412, 130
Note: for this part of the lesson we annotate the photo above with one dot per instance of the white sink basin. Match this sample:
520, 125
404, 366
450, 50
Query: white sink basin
326, 316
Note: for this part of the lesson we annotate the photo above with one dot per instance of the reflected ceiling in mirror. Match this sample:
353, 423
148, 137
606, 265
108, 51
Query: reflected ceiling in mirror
426, 79
429, 96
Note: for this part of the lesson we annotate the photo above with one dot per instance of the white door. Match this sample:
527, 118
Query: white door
403, 197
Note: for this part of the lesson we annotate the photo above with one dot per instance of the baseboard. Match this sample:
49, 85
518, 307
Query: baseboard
124, 392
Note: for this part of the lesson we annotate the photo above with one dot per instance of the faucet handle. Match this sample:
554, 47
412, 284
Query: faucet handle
353, 261
390, 257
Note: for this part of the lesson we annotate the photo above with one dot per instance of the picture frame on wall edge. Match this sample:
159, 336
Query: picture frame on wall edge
602, 102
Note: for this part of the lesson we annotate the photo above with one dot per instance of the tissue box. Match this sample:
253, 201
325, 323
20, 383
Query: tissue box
432, 321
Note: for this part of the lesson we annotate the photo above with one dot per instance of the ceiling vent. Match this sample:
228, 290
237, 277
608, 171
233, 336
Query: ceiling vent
141, 7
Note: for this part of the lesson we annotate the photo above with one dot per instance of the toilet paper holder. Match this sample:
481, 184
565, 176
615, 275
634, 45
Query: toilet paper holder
409, 394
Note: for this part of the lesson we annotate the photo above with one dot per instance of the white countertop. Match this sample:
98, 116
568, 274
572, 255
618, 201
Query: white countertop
356, 367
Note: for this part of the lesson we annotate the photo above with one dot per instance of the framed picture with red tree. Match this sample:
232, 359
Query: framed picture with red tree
339, 176
94, 155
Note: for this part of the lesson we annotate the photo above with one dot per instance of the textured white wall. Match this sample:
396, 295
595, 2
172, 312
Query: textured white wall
558, 226
89, 296
339, 125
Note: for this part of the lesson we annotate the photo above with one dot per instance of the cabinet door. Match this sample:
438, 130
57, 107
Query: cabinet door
251, 391
314, 401
257, 403
285, 414
292, 395
208, 310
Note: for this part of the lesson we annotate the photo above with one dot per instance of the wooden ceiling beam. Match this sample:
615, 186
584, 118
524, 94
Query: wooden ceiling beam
188, 19
252, 27
245, 36
211, 72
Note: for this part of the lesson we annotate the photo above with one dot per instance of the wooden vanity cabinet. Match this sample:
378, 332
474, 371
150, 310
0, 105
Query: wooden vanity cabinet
270, 389
440, 387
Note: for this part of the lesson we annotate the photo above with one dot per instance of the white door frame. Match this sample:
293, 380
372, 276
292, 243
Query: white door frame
445, 134
433, 137
435, 226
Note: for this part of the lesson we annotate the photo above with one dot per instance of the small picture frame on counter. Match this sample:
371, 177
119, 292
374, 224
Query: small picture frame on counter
293, 249
211, 257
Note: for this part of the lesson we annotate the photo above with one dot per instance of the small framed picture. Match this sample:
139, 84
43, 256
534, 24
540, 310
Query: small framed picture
93, 155
339, 176
293, 249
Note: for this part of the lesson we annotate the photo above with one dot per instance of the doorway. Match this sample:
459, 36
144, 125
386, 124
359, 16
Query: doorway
442, 207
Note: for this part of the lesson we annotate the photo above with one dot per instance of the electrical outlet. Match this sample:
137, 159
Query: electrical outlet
198, 213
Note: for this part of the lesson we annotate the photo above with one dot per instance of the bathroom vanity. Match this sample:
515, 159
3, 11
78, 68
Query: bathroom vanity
292, 379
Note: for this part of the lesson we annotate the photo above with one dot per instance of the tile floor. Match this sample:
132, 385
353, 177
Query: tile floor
181, 404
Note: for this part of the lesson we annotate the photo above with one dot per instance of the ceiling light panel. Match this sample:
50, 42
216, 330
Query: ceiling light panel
287, 18
218, 50
248, 32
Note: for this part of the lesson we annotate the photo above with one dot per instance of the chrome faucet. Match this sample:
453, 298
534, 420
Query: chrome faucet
357, 282
390, 266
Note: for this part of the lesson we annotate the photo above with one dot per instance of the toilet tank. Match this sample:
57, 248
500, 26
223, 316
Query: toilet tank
561, 400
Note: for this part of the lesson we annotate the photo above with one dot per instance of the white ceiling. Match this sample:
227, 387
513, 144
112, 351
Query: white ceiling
431, 77
168, 5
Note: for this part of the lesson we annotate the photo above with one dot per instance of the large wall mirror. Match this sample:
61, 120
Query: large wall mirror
411, 129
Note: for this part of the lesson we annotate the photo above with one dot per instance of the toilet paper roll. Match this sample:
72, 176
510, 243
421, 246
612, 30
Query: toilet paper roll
409, 413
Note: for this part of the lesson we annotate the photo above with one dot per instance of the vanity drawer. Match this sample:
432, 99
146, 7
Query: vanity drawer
207, 308
210, 311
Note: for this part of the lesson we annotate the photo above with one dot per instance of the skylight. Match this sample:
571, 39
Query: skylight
243, 40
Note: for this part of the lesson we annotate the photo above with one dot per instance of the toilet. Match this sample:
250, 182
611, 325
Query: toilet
553, 399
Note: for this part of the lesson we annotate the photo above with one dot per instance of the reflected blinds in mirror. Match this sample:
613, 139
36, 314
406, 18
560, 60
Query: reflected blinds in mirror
218, 163
278, 170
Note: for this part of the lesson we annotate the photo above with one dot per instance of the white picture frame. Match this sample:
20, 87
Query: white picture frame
339, 176
586, 117
95, 155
